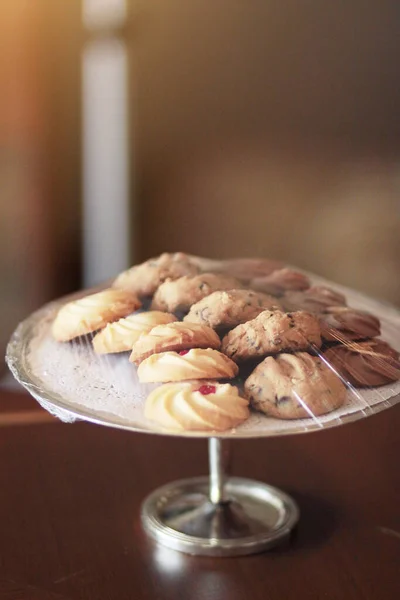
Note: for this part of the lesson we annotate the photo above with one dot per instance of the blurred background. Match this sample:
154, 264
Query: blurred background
218, 127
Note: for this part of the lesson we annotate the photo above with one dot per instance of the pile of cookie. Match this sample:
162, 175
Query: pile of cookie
297, 347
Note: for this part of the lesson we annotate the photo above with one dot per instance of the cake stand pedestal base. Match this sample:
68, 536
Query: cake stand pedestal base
219, 516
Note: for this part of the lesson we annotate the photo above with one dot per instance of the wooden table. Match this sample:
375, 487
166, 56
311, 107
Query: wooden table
70, 497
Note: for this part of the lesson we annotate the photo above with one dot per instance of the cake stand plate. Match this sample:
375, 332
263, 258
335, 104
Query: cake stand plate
215, 515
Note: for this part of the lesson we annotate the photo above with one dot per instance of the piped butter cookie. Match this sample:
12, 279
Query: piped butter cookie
92, 312
196, 406
198, 363
174, 336
121, 335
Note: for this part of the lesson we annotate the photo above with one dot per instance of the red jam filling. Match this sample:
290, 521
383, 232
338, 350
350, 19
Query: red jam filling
206, 389
183, 352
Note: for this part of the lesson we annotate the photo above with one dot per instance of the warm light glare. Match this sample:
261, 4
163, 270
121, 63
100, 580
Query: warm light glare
169, 561
103, 13
105, 160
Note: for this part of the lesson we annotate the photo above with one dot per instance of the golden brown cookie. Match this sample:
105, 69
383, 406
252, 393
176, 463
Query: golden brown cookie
272, 332
196, 406
92, 312
145, 278
181, 294
174, 336
196, 363
121, 335
246, 269
341, 324
226, 309
294, 386
364, 364
280, 281
317, 298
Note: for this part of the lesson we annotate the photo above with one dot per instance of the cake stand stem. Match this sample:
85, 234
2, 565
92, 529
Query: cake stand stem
219, 457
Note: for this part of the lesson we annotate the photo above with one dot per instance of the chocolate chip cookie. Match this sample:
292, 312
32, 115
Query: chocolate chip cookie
294, 386
181, 294
272, 332
226, 309
145, 278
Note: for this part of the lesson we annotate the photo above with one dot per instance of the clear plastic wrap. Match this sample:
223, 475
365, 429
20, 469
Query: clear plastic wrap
358, 359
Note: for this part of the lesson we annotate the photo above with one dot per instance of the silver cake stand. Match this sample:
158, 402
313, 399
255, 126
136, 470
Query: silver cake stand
216, 515
219, 515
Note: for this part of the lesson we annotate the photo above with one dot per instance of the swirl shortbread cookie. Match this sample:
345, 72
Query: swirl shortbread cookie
369, 363
280, 281
188, 364
121, 335
226, 309
294, 386
92, 313
145, 278
341, 324
196, 406
317, 298
174, 336
181, 294
272, 332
